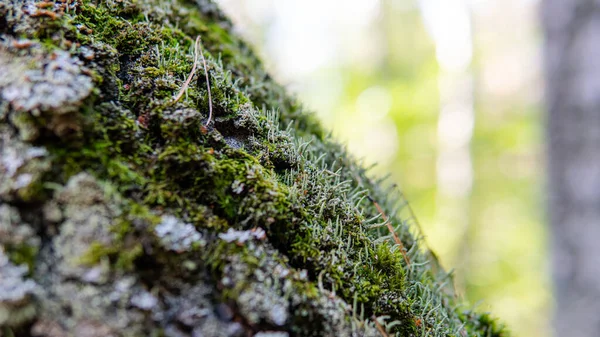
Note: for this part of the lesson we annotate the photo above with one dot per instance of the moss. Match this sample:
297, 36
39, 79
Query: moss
96, 252
153, 191
22, 254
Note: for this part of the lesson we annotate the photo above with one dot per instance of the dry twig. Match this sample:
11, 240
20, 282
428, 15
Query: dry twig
391, 230
189, 78
379, 327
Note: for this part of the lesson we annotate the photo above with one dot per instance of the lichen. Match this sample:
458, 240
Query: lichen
17, 237
144, 218
177, 236
16, 293
56, 83
87, 221
22, 167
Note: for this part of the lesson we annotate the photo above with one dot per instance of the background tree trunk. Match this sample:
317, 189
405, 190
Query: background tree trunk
572, 56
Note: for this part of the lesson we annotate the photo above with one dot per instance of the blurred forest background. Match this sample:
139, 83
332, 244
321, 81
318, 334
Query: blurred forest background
446, 96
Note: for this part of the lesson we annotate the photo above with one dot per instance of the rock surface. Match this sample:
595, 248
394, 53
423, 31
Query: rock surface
124, 212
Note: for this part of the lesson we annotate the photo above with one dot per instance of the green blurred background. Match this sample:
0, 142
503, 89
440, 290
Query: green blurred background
446, 96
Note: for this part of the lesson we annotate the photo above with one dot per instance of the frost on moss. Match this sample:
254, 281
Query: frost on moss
134, 218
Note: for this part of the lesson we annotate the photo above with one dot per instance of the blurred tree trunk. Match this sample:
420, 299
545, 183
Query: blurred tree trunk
572, 56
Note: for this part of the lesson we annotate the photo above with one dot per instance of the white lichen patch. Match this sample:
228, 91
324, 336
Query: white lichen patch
97, 274
237, 187
81, 190
144, 300
21, 166
54, 83
12, 159
14, 231
15, 292
13, 285
122, 287
177, 235
242, 236
87, 221
272, 334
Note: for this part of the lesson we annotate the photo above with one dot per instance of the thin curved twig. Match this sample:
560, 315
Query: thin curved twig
189, 78
392, 231
379, 327
197, 46
207, 87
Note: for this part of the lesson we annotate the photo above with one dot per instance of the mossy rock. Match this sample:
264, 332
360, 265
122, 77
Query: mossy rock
127, 213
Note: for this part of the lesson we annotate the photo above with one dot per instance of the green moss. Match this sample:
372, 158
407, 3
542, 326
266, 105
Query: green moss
97, 252
22, 254
483, 324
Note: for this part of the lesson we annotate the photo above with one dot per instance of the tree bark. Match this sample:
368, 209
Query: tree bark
125, 211
572, 58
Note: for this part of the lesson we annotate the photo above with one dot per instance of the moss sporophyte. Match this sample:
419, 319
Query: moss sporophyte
135, 201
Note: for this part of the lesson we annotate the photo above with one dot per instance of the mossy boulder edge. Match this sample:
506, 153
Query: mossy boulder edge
125, 213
